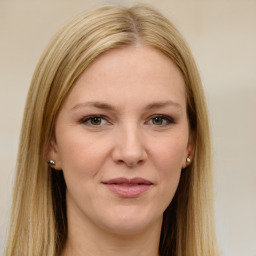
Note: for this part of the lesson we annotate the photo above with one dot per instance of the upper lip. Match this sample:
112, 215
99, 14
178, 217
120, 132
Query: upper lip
123, 180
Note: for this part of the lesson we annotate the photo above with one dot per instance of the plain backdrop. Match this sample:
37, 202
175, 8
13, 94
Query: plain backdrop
222, 36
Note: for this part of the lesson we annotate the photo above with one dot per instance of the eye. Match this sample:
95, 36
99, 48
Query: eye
161, 120
94, 120
157, 120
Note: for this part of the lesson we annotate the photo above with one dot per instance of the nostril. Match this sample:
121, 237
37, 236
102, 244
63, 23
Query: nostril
140, 161
130, 163
135, 163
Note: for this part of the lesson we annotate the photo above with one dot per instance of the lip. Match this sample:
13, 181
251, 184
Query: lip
128, 188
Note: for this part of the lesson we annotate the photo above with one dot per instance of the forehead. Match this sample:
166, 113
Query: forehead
127, 74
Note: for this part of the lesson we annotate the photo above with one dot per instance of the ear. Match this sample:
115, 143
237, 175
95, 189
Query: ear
189, 151
53, 154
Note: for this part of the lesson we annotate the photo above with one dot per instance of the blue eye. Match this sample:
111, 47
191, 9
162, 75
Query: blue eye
161, 120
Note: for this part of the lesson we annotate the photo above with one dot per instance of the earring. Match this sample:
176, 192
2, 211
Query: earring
51, 162
188, 160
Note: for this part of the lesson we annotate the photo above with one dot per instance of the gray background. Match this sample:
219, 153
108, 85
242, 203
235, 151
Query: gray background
222, 36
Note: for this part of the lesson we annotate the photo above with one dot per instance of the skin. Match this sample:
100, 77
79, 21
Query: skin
132, 87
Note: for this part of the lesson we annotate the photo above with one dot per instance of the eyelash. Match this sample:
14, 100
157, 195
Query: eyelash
169, 120
88, 119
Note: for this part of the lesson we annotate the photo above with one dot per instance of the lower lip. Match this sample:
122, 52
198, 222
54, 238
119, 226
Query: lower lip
128, 191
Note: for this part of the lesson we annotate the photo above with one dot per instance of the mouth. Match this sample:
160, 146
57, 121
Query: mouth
128, 188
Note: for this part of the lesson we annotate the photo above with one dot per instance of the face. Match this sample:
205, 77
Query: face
122, 139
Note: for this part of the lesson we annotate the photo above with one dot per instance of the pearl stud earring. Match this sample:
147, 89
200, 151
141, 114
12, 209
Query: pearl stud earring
51, 162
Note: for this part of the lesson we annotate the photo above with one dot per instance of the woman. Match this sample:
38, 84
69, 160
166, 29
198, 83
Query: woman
114, 155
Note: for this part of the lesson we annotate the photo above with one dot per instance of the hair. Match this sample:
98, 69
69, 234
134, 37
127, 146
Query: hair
38, 224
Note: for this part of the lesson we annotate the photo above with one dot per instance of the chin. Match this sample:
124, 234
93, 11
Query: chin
130, 224
128, 228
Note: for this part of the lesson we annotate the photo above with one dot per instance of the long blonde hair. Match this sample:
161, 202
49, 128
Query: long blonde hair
38, 223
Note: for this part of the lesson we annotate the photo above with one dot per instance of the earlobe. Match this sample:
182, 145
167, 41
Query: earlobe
190, 150
53, 159
189, 153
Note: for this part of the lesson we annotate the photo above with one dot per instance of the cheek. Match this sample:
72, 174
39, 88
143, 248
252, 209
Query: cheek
168, 159
82, 160
81, 154
169, 153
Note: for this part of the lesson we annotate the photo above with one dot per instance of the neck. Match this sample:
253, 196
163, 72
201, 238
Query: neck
136, 246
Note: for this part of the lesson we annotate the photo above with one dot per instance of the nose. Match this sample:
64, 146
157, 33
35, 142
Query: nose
129, 147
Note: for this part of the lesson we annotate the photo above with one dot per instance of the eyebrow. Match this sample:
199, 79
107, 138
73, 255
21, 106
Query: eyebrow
100, 105
156, 105
106, 106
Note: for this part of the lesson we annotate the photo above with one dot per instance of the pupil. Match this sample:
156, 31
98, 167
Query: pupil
158, 120
96, 120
